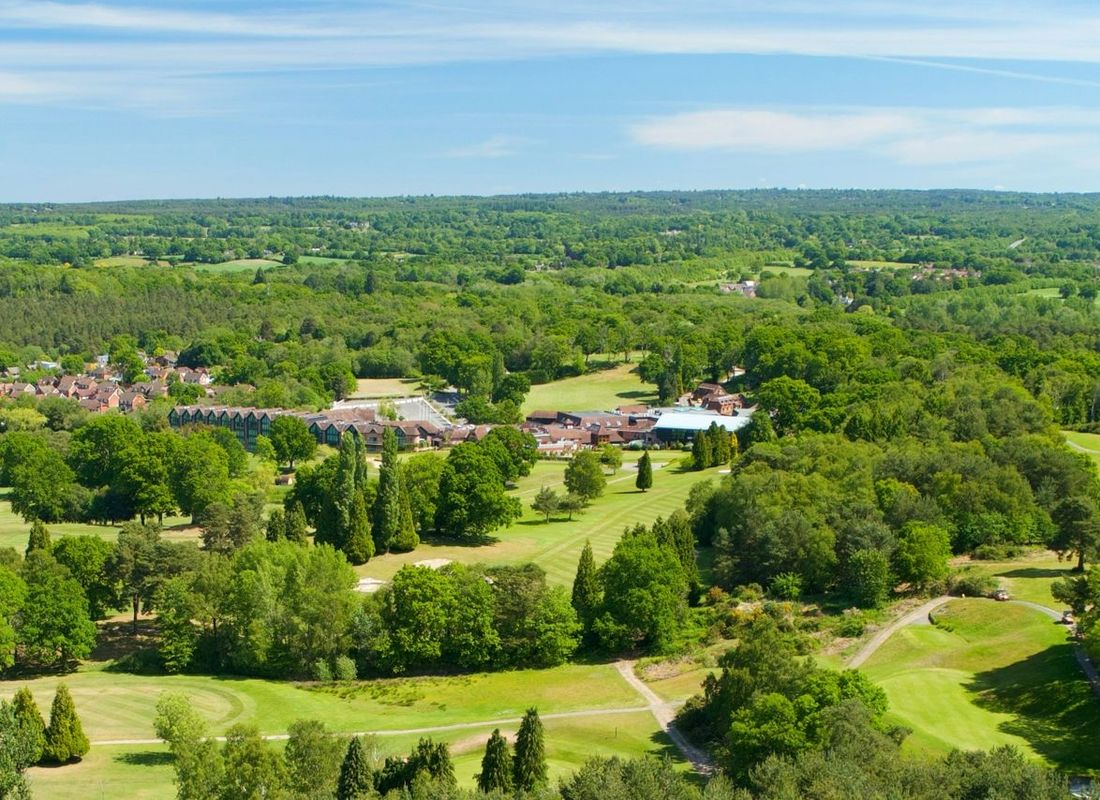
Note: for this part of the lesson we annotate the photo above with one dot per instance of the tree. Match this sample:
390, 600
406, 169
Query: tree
586, 588
265, 450
39, 538
13, 595
546, 502
868, 578
572, 504
644, 594
701, 455
275, 529
54, 625
514, 451
88, 560
31, 726
200, 769
313, 759
16, 754
719, 439
529, 762
65, 739
584, 476
40, 484
644, 480
98, 449
359, 546
198, 474
178, 636
133, 564
292, 440
611, 457
355, 781
472, 502
923, 553
252, 769
420, 477
295, 528
392, 516
1077, 529
496, 766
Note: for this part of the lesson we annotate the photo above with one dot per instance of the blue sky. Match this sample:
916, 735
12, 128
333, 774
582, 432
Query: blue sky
115, 100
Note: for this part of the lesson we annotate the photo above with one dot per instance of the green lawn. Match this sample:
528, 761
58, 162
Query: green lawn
556, 545
13, 530
369, 388
995, 674
1029, 577
880, 264
602, 390
237, 265
121, 706
1087, 443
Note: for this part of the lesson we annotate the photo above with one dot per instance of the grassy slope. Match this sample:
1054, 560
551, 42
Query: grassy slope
1004, 674
120, 706
597, 391
555, 546
1087, 443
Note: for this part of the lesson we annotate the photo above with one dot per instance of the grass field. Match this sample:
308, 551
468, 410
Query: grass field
369, 388
238, 265
993, 674
556, 545
597, 391
120, 706
879, 264
1028, 578
794, 272
1087, 443
14, 531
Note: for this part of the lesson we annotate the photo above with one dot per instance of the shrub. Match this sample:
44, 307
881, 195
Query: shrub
786, 586
321, 671
344, 669
852, 624
749, 593
971, 584
997, 552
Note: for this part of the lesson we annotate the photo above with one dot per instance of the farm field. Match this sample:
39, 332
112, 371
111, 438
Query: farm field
991, 674
117, 706
555, 546
596, 391
237, 265
879, 264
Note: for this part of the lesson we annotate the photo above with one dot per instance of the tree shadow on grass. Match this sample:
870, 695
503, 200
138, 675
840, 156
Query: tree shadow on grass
667, 749
1037, 572
145, 758
1051, 702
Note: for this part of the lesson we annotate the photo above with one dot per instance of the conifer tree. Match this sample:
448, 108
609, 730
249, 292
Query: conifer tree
586, 587
32, 728
295, 528
407, 538
358, 547
65, 739
645, 473
496, 766
700, 451
276, 525
39, 538
355, 780
546, 502
719, 440
387, 504
529, 763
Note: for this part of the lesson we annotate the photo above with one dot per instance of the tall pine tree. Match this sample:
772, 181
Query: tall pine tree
586, 588
645, 473
355, 780
393, 522
496, 766
65, 739
529, 763
344, 522
39, 538
295, 527
32, 728
700, 451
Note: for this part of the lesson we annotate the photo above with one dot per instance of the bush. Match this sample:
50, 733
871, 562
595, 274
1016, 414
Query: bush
786, 586
971, 584
344, 669
749, 593
321, 671
998, 552
852, 624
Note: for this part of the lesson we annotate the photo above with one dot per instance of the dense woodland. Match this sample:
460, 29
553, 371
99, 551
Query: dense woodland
908, 411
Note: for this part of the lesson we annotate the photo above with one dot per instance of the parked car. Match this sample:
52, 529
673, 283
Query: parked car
1067, 617
1001, 595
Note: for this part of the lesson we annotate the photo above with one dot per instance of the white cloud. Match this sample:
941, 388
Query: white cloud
915, 136
497, 146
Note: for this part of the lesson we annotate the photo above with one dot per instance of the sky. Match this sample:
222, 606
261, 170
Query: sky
232, 98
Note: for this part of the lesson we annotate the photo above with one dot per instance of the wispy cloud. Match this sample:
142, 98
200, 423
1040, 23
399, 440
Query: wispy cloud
496, 146
914, 136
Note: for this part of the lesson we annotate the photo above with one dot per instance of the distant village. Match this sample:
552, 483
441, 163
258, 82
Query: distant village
420, 424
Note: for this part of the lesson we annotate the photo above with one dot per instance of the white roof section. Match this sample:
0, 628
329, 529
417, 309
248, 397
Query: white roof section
697, 421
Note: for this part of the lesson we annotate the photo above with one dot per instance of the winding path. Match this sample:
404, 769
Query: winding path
881, 637
665, 714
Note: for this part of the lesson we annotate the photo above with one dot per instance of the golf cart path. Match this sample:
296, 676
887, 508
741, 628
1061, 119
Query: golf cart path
880, 638
665, 714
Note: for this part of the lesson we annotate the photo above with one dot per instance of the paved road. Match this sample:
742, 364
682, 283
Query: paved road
665, 714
